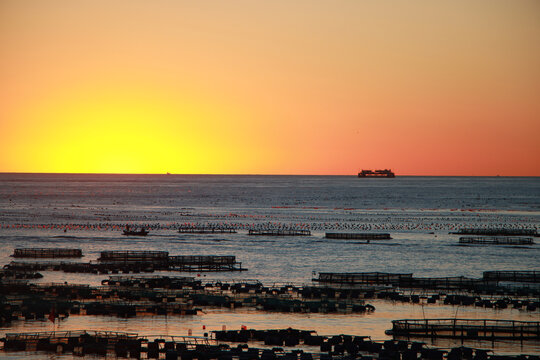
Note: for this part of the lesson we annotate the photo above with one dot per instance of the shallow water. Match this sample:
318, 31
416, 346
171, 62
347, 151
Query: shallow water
418, 212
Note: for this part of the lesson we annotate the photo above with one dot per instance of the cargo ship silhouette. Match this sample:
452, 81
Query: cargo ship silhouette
376, 173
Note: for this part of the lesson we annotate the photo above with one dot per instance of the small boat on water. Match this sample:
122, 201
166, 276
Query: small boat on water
129, 232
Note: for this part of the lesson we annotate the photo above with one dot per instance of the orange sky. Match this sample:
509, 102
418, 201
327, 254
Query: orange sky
270, 87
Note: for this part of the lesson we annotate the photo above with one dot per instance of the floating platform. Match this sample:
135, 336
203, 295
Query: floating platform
516, 276
78, 342
280, 232
196, 229
277, 337
133, 256
204, 263
40, 253
367, 278
446, 283
152, 282
136, 262
19, 275
478, 329
134, 265
358, 236
497, 232
496, 240
406, 281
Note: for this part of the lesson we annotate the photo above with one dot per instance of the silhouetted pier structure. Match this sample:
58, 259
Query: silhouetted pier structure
46, 253
357, 236
479, 329
516, 276
496, 232
205, 229
496, 240
280, 232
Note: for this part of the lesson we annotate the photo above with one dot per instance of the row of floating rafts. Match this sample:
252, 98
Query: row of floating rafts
358, 236
516, 276
164, 282
46, 253
507, 228
306, 298
497, 232
477, 329
131, 302
496, 240
106, 344
498, 303
206, 229
515, 282
136, 261
161, 303
19, 275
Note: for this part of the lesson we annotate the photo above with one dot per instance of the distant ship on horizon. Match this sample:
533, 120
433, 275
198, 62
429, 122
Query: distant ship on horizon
376, 173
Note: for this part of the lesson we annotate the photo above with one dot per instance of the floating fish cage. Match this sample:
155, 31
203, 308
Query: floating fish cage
497, 232
78, 342
19, 275
446, 283
280, 232
150, 281
46, 253
496, 240
202, 260
70, 334
150, 256
405, 281
76, 267
516, 276
204, 263
195, 229
357, 236
482, 329
121, 262
375, 278
246, 335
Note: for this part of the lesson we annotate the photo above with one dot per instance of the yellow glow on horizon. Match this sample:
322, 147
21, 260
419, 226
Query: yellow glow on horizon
126, 131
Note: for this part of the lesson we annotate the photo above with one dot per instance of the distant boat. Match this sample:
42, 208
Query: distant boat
128, 232
376, 173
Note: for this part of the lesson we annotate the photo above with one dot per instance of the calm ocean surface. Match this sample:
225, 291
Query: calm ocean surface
418, 212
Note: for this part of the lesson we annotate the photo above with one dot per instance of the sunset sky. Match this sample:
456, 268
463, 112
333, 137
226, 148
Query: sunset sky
270, 87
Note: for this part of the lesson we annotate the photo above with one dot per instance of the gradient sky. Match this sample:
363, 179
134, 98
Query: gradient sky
270, 87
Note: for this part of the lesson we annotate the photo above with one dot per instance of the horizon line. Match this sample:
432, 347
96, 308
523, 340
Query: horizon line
242, 174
